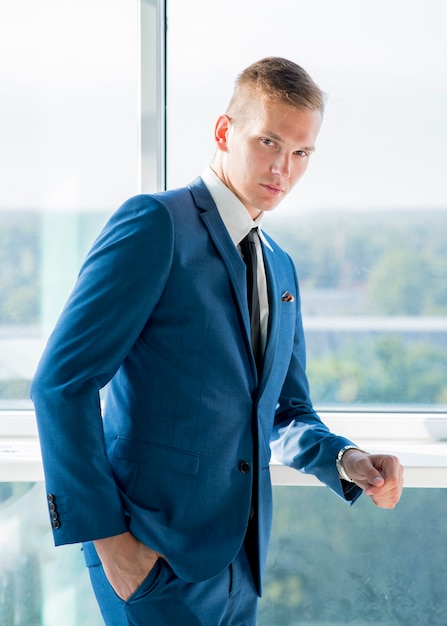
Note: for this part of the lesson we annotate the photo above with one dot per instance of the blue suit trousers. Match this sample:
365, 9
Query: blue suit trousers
163, 599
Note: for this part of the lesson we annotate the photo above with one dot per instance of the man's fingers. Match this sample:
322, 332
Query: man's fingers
380, 475
377, 480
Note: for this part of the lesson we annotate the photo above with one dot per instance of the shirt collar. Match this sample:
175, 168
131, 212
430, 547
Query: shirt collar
234, 215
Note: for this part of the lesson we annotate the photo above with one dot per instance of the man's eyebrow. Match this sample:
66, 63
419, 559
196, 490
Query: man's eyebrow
280, 139
273, 135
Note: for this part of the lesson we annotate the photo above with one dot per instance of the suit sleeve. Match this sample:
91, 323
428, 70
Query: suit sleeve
300, 439
117, 288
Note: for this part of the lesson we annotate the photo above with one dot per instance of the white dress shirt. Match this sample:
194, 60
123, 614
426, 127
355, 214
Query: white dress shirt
239, 223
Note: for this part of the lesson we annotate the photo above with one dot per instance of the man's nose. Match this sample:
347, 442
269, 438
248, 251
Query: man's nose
281, 167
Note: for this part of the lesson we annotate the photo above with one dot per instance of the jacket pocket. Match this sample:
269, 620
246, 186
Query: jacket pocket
156, 455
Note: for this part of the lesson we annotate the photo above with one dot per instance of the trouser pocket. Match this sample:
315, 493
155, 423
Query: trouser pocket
92, 560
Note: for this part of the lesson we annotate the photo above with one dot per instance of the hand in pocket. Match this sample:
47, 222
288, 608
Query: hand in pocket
126, 562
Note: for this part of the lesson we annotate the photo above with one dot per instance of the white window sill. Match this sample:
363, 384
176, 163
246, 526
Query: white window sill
403, 434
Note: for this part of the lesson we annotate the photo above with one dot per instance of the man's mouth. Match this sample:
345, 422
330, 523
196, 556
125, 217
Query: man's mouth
272, 188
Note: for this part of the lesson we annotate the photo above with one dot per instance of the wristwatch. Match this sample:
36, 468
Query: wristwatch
339, 463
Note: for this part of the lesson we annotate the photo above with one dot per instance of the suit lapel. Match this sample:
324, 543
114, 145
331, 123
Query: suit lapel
231, 258
237, 273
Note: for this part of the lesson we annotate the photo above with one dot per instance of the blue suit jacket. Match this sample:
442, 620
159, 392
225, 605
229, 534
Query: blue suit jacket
160, 313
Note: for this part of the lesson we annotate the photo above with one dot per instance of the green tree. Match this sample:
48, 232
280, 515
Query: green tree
408, 282
381, 370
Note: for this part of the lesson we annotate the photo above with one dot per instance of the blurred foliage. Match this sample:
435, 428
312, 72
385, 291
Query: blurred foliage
19, 262
380, 369
15, 388
352, 263
377, 264
23, 236
396, 260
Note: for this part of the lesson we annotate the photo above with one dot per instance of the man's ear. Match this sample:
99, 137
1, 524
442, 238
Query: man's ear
221, 132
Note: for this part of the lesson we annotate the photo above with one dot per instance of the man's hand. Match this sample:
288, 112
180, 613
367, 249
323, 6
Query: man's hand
126, 562
379, 475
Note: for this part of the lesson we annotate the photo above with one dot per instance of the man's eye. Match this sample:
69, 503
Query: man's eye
302, 153
268, 142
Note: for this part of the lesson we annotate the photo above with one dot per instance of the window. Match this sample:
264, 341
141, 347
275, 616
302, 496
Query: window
366, 224
332, 565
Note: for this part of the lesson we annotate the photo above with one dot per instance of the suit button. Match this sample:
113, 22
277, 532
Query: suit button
52, 506
244, 467
50, 497
55, 524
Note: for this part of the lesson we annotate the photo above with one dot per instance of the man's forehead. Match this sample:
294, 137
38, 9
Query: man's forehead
284, 122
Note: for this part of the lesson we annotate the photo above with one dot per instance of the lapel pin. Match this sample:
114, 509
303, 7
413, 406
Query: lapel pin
287, 297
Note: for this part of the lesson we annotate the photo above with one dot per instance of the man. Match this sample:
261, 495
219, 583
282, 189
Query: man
170, 490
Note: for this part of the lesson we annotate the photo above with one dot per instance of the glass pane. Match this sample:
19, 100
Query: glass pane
68, 156
39, 584
331, 565
366, 226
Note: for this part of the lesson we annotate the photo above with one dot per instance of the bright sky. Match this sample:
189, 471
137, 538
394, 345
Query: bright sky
383, 65
69, 103
69, 100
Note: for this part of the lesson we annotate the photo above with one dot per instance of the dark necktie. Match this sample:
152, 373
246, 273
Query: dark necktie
248, 249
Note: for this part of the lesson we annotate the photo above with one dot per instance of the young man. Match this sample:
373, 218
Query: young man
170, 490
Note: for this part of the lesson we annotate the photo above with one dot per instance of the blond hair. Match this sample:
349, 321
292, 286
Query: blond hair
278, 81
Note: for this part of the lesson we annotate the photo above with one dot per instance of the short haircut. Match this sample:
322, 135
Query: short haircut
277, 81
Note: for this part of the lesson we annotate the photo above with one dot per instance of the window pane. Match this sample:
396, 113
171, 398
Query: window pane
366, 226
323, 569
331, 565
38, 583
68, 156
